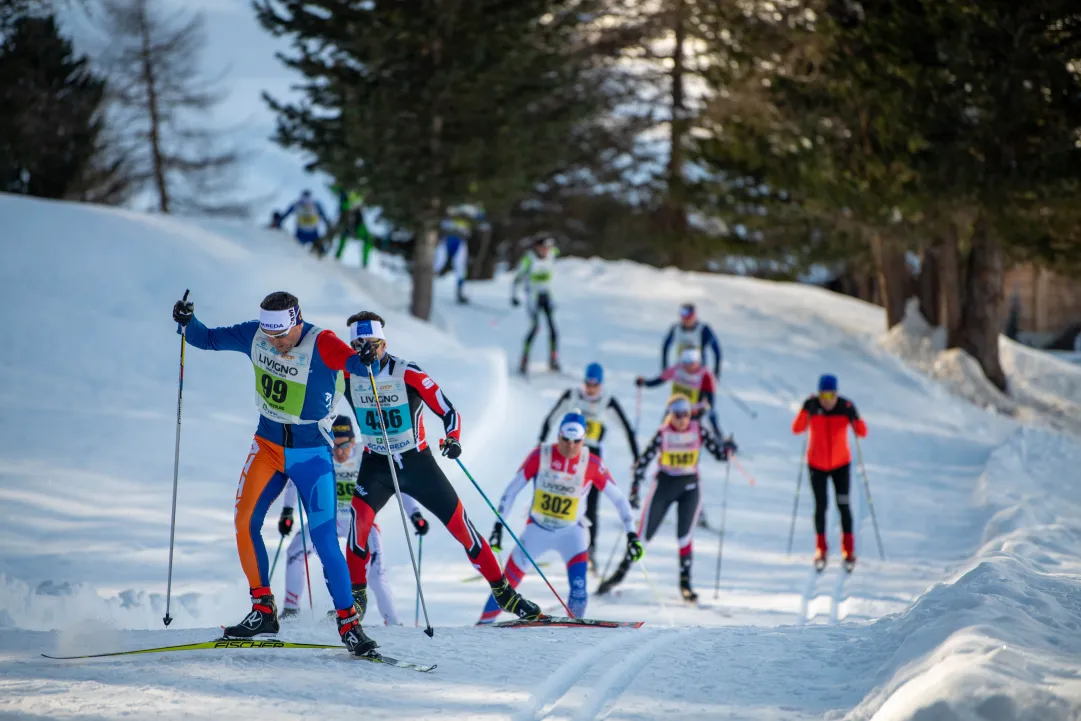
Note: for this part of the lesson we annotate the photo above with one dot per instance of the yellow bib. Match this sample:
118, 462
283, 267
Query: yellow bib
679, 459
691, 393
554, 505
593, 430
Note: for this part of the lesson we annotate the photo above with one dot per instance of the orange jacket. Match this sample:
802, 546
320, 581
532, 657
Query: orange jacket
827, 447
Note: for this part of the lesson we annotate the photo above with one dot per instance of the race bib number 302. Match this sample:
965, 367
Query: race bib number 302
555, 506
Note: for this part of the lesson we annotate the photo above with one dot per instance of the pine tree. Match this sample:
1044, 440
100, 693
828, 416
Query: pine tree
415, 102
50, 119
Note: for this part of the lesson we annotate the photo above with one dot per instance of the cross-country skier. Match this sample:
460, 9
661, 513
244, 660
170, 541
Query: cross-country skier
404, 389
309, 212
827, 416
296, 370
535, 271
595, 404
679, 442
691, 333
561, 473
461, 225
346, 468
691, 379
351, 224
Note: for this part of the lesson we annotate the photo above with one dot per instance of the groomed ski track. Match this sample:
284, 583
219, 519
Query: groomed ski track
978, 515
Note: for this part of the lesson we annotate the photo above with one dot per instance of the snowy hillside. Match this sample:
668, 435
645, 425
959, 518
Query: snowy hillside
973, 614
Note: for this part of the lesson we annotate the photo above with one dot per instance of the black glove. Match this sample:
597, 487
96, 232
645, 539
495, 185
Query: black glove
366, 352
451, 447
635, 549
183, 312
634, 501
639, 381
728, 448
515, 302
496, 539
285, 523
419, 524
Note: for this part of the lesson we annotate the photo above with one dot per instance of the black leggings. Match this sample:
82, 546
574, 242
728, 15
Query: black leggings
683, 491
841, 481
592, 501
544, 303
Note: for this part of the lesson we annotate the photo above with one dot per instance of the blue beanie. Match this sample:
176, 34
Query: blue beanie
595, 373
827, 383
573, 426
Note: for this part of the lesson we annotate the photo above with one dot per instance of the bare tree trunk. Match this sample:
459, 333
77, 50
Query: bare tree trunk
481, 268
674, 215
893, 278
424, 252
929, 284
948, 254
153, 111
981, 313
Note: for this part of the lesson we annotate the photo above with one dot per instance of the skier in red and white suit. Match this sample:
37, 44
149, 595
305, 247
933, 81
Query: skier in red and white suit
562, 474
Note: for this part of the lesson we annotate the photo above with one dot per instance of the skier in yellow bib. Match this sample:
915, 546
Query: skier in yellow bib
678, 442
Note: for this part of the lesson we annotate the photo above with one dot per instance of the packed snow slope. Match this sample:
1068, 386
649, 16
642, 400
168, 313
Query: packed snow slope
974, 614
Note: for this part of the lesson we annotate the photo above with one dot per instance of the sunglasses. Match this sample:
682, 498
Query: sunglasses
681, 414
593, 384
827, 395
572, 440
376, 342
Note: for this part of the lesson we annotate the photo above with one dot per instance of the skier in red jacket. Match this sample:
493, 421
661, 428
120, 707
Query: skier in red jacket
828, 416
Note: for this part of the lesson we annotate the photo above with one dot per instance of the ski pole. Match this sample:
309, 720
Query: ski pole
739, 467
512, 535
420, 558
637, 410
720, 542
867, 493
739, 402
176, 466
304, 542
611, 557
795, 506
401, 506
275, 564
656, 594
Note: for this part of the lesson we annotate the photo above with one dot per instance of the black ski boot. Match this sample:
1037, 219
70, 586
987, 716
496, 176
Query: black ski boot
462, 300
685, 580
289, 614
353, 635
360, 599
513, 602
523, 367
553, 362
616, 578
262, 619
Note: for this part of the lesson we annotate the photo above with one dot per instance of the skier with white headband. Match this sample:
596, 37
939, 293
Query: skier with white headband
403, 392
562, 474
296, 371
678, 442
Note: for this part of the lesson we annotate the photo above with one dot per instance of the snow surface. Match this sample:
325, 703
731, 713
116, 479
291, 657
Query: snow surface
975, 614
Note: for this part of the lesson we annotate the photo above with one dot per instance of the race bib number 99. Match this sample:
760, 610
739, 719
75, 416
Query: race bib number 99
679, 459
280, 394
564, 508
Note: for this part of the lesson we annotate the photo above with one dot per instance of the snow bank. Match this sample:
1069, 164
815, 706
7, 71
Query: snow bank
1043, 390
998, 641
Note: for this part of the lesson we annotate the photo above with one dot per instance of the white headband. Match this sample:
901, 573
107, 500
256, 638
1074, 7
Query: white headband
572, 431
366, 329
276, 322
